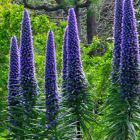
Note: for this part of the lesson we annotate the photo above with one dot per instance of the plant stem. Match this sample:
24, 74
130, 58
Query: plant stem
78, 135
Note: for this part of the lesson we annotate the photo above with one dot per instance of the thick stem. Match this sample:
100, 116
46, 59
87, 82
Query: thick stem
77, 14
78, 135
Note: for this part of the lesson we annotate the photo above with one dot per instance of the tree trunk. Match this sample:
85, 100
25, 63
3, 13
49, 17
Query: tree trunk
91, 24
77, 15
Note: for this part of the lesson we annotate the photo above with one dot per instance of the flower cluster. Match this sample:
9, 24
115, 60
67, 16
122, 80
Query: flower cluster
129, 76
51, 83
75, 78
13, 81
117, 39
27, 70
64, 62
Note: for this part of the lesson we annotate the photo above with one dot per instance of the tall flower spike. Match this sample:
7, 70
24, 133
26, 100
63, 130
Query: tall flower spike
27, 70
76, 94
13, 81
64, 61
51, 83
129, 77
75, 78
118, 14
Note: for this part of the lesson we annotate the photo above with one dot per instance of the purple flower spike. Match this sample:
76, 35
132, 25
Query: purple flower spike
75, 78
51, 83
129, 77
76, 94
27, 70
64, 61
13, 81
117, 39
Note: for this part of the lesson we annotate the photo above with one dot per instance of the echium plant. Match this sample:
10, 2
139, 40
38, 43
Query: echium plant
124, 106
129, 77
51, 91
130, 70
27, 70
64, 61
76, 99
118, 14
13, 81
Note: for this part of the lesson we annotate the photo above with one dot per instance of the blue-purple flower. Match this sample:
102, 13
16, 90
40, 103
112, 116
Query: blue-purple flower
13, 81
27, 70
118, 14
64, 61
76, 100
129, 77
51, 91
75, 76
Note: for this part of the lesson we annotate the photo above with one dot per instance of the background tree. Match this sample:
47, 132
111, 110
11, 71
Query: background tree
63, 5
